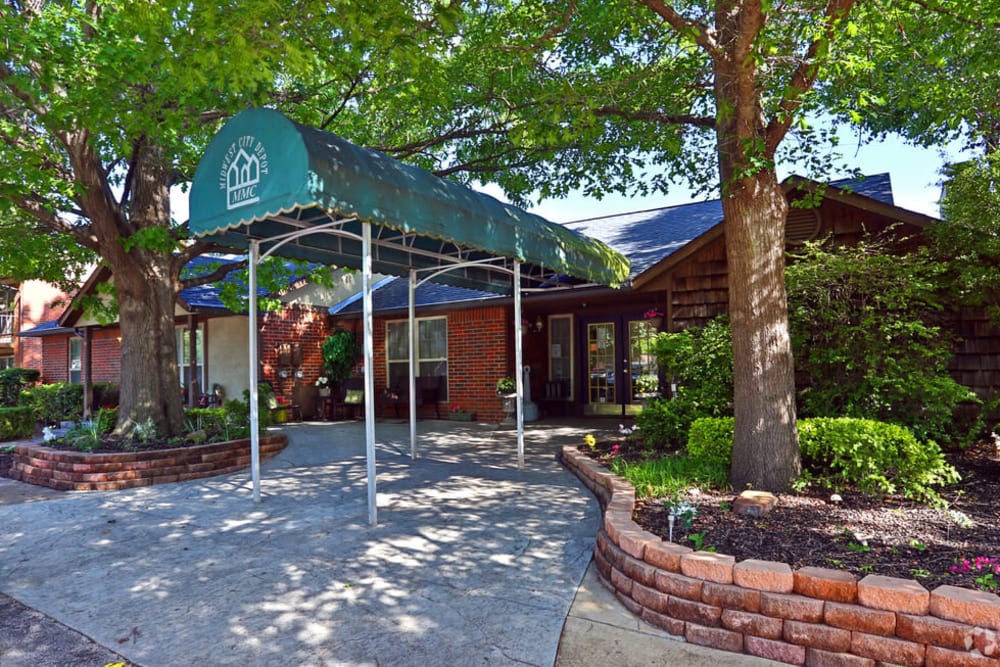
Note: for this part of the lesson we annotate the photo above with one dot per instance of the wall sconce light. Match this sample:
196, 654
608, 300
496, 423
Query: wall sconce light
539, 324
283, 373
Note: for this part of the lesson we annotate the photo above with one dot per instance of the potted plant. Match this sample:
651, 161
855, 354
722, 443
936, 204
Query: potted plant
340, 353
459, 414
506, 386
507, 390
323, 384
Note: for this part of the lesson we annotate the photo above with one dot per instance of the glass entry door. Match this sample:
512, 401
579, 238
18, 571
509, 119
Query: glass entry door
602, 367
620, 364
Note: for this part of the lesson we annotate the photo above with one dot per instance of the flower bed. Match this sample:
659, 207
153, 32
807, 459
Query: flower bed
812, 616
80, 471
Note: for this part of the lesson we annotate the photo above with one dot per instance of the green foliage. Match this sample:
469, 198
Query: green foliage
868, 341
710, 439
62, 401
106, 418
207, 419
969, 239
16, 423
85, 437
340, 353
700, 360
670, 476
13, 381
877, 457
505, 386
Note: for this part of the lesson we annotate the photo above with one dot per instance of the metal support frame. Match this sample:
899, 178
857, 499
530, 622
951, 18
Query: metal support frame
366, 286
333, 227
254, 252
412, 329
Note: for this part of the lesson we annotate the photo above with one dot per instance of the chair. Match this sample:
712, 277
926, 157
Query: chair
350, 395
428, 393
556, 398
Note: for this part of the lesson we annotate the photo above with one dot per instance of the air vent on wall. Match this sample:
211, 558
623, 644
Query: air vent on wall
803, 224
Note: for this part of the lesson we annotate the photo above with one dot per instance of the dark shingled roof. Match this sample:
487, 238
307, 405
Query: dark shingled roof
646, 237
394, 294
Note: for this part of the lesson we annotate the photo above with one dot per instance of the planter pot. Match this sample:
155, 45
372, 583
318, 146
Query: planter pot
280, 415
462, 416
324, 392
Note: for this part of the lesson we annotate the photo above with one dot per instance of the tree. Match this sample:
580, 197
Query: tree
619, 85
968, 242
104, 106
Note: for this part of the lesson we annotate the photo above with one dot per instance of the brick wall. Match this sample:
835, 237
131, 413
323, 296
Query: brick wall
38, 302
478, 355
79, 471
55, 359
812, 616
105, 356
307, 327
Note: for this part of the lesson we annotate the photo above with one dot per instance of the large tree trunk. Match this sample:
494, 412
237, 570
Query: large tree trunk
150, 388
766, 443
141, 260
766, 446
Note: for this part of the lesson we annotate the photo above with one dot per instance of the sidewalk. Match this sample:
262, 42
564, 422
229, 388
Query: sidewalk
474, 562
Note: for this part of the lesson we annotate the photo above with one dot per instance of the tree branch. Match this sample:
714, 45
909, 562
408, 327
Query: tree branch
657, 117
702, 34
804, 76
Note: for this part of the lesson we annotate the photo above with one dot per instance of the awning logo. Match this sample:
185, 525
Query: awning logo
243, 167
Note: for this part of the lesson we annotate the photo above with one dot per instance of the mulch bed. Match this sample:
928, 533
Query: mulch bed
860, 534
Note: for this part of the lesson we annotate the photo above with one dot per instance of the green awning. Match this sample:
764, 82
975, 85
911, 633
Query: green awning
264, 176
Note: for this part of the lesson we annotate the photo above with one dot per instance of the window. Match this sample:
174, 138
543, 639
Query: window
75, 360
432, 350
561, 349
184, 356
6, 362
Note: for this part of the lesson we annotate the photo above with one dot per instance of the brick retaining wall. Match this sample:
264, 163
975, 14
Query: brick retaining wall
813, 616
80, 471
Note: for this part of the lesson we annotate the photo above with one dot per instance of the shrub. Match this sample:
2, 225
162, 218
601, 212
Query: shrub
56, 402
212, 420
877, 457
12, 382
867, 335
700, 360
16, 423
710, 439
671, 475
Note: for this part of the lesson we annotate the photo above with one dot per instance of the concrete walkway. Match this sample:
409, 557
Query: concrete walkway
474, 561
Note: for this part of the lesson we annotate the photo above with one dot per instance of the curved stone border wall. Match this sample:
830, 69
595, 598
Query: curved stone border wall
80, 471
813, 616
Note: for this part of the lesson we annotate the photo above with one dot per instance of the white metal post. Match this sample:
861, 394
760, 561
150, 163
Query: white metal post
254, 410
369, 346
518, 365
412, 328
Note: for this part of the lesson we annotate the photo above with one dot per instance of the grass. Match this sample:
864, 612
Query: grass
667, 477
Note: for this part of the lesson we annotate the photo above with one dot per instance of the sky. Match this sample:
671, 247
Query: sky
915, 174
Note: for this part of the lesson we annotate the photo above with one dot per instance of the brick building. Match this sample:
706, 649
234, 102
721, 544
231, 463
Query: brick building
588, 348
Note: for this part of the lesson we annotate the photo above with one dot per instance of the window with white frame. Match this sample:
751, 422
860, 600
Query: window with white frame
75, 360
6, 362
561, 349
431, 349
184, 355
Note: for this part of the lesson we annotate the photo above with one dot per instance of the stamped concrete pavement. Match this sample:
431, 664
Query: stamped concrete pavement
474, 562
